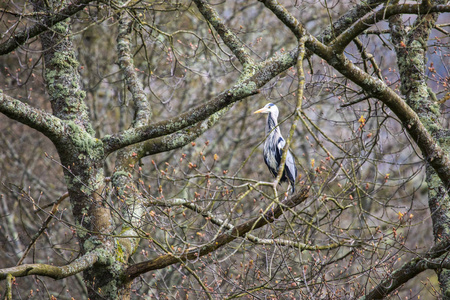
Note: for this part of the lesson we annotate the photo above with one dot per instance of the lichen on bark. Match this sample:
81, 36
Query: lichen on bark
411, 50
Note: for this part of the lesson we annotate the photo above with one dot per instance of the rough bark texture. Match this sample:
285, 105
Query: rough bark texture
411, 47
82, 158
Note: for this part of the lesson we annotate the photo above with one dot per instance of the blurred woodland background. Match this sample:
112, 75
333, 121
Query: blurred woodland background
370, 196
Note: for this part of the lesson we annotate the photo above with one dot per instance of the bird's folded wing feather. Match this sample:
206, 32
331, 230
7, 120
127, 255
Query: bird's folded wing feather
290, 163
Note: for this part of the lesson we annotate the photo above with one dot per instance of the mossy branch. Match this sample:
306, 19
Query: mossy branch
54, 272
143, 110
347, 19
49, 125
180, 138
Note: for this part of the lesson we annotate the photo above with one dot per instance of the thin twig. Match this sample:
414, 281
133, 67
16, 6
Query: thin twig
43, 227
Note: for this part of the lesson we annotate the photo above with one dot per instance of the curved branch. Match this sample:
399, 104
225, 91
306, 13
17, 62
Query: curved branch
284, 16
408, 271
49, 125
347, 19
431, 151
223, 239
383, 13
229, 38
75, 267
411, 269
21, 37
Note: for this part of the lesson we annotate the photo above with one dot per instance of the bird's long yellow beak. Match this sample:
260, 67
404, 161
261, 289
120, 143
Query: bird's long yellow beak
262, 110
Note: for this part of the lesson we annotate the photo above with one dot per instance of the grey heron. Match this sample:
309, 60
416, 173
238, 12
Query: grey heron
273, 147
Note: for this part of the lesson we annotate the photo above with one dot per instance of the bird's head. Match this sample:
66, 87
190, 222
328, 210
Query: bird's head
268, 108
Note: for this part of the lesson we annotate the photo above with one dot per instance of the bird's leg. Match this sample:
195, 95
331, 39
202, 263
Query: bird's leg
287, 191
275, 190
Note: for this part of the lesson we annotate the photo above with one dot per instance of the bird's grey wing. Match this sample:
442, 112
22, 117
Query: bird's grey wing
280, 145
290, 163
279, 149
269, 165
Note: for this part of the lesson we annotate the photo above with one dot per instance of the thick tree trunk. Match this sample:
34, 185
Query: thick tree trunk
82, 159
411, 50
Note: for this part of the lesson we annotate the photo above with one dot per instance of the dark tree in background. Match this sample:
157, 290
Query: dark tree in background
131, 163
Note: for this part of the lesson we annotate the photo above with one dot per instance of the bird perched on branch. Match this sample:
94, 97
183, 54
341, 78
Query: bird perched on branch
273, 147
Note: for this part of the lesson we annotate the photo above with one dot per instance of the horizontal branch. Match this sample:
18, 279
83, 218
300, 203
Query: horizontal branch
223, 239
44, 122
180, 138
21, 37
54, 272
166, 127
383, 13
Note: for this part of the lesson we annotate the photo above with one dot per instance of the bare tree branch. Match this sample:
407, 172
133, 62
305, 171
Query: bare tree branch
383, 13
223, 239
219, 222
43, 227
230, 39
21, 37
408, 271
